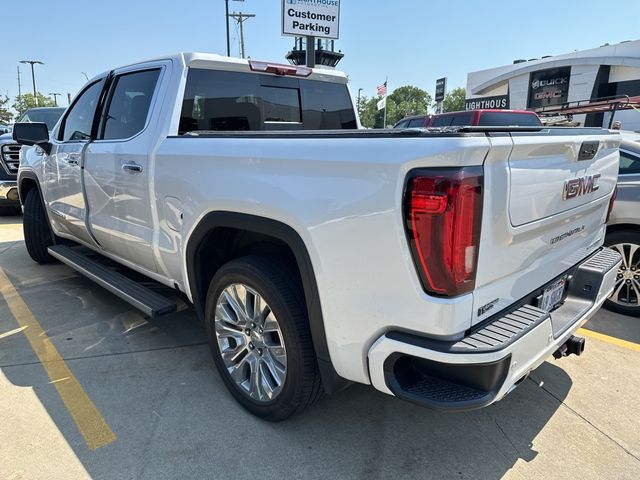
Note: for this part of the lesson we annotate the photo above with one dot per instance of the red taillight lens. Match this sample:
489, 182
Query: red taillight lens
611, 203
443, 213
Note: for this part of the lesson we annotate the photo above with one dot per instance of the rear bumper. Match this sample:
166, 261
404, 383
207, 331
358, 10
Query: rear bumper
9, 193
494, 356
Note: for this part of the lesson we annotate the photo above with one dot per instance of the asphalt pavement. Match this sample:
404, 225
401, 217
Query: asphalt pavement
89, 388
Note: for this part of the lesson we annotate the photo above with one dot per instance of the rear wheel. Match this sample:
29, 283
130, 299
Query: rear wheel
37, 232
626, 293
259, 336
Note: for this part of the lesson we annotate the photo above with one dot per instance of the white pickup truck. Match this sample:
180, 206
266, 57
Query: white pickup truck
439, 266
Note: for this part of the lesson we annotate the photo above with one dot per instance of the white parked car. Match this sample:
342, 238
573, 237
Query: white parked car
441, 267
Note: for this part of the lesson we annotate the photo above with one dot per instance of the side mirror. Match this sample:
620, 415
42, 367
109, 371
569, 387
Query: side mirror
32, 134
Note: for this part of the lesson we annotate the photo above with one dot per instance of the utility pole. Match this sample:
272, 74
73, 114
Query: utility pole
55, 98
33, 76
241, 18
68, 98
226, 19
19, 90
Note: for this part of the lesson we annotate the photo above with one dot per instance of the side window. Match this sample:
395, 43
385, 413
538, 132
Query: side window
416, 123
629, 164
462, 120
79, 119
443, 121
402, 124
129, 104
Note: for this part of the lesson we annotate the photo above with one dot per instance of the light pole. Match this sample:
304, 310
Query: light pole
55, 98
33, 76
226, 18
359, 90
85, 76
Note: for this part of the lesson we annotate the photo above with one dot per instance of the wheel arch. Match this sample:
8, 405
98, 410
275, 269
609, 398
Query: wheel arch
212, 234
618, 227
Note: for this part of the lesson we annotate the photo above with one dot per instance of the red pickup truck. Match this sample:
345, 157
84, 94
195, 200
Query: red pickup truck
484, 118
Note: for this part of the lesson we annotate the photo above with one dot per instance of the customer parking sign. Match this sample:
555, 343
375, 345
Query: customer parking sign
318, 18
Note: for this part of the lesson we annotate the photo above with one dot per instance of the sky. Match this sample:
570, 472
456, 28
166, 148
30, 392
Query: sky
412, 42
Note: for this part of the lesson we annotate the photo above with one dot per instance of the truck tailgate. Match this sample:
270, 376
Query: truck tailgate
545, 204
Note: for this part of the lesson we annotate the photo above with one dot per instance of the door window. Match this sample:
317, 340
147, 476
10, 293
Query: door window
416, 123
79, 120
629, 164
129, 104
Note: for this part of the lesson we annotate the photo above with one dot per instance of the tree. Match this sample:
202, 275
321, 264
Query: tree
407, 100
27, 101
368, 111
454, 100
5, 115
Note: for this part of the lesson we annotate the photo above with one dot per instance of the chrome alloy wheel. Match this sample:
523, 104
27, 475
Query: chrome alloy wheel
627, 289
250, 342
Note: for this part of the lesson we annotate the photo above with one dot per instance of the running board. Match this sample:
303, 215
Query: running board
147, 301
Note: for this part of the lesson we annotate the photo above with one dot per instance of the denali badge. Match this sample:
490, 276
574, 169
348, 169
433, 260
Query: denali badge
580, 186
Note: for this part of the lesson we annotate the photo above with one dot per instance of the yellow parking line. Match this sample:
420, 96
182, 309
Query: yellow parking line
92, 425
613, 340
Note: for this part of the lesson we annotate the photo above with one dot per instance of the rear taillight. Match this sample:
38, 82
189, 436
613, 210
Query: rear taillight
443, 213
611, 203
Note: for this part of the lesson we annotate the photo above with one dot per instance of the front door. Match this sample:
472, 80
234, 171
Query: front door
63, 168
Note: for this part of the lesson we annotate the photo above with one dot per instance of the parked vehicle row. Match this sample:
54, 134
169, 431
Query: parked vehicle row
482, 118
9, 157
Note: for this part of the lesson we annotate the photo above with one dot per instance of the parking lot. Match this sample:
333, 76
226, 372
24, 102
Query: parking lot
90, 388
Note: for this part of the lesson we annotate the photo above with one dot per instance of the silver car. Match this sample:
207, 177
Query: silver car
623, 232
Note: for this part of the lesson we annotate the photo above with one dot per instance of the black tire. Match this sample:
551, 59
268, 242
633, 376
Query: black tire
272, 279
10, 211
37, 232
631, 237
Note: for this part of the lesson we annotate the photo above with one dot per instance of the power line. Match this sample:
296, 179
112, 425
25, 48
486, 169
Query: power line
241, 18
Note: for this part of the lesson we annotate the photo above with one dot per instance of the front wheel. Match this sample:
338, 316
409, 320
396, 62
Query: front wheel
37, 232
259, 335
626, 293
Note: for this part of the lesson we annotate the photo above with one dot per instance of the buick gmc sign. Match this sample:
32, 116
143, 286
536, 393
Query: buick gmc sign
549, 87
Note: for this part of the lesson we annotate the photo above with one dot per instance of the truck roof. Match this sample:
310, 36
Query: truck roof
221, 62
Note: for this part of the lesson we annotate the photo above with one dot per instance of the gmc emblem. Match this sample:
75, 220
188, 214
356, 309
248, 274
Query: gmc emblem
580, 186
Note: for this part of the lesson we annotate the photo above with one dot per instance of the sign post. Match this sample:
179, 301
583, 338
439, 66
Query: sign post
441, 91
311, 19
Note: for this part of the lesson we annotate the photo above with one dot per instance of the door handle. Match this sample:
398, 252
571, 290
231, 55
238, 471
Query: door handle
132, 167
73, 159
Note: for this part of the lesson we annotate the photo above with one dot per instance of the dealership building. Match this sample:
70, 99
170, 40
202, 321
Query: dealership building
589, 88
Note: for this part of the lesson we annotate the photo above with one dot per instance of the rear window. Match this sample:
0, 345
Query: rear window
236, 101
508, 119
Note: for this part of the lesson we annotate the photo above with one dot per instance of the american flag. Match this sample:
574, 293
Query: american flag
382, 89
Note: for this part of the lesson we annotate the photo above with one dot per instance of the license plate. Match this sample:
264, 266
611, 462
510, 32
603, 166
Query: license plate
552, 295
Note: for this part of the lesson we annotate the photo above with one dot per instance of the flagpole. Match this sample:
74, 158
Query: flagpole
384, 121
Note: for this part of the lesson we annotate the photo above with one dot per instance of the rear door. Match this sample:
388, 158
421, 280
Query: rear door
546, 199
63, 168
118, 173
